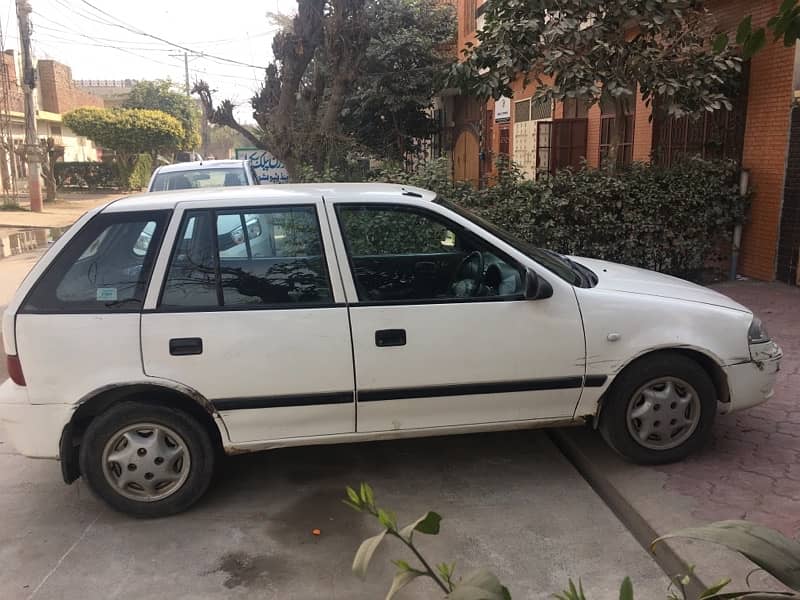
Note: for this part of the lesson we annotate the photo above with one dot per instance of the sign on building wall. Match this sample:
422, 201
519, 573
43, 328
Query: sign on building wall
502, 110
268, 168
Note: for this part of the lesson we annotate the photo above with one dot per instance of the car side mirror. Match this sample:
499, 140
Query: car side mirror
536, 288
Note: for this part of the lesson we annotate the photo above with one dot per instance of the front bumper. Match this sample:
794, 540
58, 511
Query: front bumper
753, 382
32, 429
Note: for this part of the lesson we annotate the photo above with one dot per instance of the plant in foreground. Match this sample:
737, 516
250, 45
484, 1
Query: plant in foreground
478, 585
770, 550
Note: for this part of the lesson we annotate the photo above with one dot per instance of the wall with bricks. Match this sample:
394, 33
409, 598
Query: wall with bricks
789, 244
57, 91
766, 130
10, 85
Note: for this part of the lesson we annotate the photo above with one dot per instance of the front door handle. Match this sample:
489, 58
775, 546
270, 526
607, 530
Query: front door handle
185, 346
390, 337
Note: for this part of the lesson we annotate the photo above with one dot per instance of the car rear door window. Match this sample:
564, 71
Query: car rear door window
105, 267
404, 254
241, 258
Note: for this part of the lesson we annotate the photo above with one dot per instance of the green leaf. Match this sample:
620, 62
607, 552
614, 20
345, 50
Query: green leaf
386, 519
401, 580
367, 496
720, 42
427, 524
479, 585
626, 590
752, 595
787, 5
715, 589
770, 550
744, 30
352, 495
365, 552
754, 43
402, 565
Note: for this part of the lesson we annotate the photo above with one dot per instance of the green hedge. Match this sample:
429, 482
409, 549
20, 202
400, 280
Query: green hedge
140, 172
85, 175
676, 220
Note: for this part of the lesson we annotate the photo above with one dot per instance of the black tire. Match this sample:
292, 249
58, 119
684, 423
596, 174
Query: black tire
197, 441
614, 414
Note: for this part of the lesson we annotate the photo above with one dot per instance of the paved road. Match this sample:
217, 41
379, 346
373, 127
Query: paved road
509, 501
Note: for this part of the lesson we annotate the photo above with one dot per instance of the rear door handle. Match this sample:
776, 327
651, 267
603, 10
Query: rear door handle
390, 337
185, 346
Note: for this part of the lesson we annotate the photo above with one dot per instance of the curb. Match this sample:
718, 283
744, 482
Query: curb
665, 556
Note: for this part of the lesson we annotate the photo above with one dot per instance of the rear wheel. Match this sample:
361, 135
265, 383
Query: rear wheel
660, 409
147, 460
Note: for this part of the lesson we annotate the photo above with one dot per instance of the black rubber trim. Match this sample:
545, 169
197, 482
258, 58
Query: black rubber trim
434, 391
468, 389
278, 401
595, 380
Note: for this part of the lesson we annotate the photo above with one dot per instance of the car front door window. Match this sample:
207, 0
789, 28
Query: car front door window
400, 253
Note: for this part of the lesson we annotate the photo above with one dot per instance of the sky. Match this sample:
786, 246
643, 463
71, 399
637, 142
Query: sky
93, 37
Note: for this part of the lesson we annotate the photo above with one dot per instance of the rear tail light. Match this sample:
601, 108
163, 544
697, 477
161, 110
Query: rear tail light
15, 369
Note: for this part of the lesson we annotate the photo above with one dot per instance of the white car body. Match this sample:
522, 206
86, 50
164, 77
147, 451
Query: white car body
241, 168
297, 375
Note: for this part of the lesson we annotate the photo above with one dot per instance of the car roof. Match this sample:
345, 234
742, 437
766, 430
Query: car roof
200, 165
279, 193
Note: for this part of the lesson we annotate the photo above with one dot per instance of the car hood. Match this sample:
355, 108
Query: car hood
633, 280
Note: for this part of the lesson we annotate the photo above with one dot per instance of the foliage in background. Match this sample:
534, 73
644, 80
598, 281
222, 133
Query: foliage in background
602, 52
675, 219
132, 175
138, 176
162, 95
86, 175
770, 550
127, 131
324, 56
387, 109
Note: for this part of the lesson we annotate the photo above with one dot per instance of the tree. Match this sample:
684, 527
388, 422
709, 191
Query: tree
602, 51
161, 95
331, 59
387, 109
128, 131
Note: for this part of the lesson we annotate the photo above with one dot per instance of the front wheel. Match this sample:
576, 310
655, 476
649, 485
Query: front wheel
147, 460
660, 409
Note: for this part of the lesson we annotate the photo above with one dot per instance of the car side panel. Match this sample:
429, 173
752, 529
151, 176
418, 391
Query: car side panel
65, 357
621, 326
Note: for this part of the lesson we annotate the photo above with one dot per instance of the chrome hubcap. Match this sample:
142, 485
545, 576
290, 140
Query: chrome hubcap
146, 462
663, 413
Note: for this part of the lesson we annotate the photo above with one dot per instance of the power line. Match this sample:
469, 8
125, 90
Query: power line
122, 25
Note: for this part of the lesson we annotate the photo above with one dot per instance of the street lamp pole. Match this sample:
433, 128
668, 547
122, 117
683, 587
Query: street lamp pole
29, 84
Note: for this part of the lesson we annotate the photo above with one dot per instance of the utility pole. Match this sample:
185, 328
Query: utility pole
29, 84
185, 55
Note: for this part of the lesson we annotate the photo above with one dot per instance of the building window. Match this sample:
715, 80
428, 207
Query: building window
55, 130
504, 140
575, 109
522, 111
608, 122
541, 109
560, 144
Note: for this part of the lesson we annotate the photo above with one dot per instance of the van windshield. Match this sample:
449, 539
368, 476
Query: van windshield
199, 178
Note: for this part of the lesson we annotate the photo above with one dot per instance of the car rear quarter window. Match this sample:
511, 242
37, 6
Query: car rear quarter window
255, 257
106, 267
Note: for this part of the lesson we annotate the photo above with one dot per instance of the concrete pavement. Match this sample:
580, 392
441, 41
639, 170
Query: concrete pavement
510, 502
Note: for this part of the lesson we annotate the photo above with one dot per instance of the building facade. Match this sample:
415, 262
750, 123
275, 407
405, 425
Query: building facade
55, 94
762, 131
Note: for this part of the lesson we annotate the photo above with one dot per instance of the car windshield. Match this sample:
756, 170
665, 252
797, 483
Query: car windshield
562, 266
199, 178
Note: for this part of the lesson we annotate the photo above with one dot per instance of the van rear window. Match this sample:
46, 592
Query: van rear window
105, 268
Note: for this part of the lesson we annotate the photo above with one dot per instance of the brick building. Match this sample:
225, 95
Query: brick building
56, 93
762, 131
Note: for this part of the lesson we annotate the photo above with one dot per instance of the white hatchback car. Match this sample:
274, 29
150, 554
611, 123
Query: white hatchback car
255, 318
202, 174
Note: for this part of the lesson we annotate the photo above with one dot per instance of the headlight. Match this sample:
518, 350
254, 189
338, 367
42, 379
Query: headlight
757, 334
